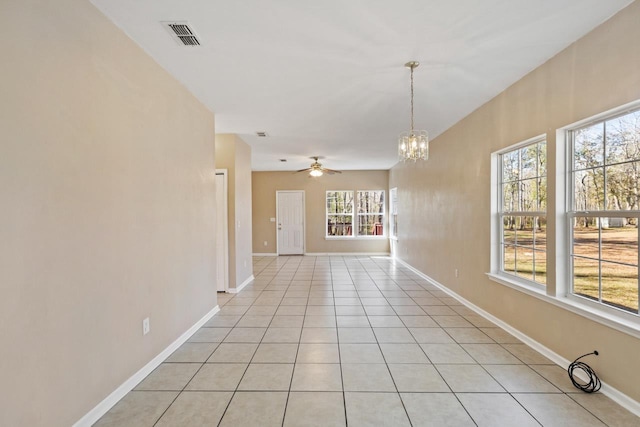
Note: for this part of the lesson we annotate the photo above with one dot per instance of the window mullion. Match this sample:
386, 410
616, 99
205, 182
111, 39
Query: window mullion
605, 199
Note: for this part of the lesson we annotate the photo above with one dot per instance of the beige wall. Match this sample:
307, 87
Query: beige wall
107, 217
233, 154
444, 210
265, 185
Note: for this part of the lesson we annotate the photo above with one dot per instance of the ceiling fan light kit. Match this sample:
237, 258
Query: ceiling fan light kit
316, 169
413, 145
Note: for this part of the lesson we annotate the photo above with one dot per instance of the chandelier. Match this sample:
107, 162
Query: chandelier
413, 145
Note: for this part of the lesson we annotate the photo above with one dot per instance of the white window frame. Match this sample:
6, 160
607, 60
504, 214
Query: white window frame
393, 213
497, 252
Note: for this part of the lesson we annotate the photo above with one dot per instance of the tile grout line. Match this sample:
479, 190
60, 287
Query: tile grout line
344, 395
293, 371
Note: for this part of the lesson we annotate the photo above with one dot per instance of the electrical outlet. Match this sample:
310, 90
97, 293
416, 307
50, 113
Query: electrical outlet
456, 272
265, 243
245, 263
146, 326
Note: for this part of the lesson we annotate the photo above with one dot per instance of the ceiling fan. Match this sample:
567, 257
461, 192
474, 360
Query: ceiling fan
316, 169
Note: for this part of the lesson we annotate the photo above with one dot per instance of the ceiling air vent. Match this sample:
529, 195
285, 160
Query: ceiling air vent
261, 134
181, 33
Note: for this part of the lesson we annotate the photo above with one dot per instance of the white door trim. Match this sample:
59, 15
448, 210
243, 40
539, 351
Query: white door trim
225, 235
304, 219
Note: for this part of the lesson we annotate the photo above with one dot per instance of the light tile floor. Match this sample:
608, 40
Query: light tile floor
331, 341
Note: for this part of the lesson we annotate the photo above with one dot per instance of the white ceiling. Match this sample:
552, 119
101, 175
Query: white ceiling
327, 77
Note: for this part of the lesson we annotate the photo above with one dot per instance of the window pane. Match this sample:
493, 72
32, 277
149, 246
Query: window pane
524, 262
509, 257
586, 237
509, 230
619, 241
510, 197
393, 202
339, 225
529, 162
540, 267
589, 190
542, 158
585, 278
623, 186
540, 235
620, 286
528, 195
524, 232
588, 147
370, 225
623, 138
332, 203
340, 201
510, 166
541, 193
393, 209
370, 201
394, 221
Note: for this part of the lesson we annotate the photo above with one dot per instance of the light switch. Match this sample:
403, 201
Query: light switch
272, 219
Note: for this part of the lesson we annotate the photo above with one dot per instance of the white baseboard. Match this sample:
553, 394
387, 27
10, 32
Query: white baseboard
611, 392
347, 254
332, 254
94, 415
242, 285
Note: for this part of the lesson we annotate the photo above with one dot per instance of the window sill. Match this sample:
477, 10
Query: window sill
619, 323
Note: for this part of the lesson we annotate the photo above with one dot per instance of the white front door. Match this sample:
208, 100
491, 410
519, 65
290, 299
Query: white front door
222, 233
290, 222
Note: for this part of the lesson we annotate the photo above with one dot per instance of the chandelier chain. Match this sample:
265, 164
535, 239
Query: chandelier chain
412, 98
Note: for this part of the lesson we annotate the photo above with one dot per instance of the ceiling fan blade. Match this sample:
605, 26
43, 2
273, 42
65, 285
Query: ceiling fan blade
303, 170
330, 171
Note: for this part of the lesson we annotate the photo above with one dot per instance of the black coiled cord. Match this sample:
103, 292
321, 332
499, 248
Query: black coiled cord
594, 383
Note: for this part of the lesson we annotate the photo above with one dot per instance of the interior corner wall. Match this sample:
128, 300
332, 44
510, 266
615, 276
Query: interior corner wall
266, 184
225, 159
233, 154
444, 204
108, 211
